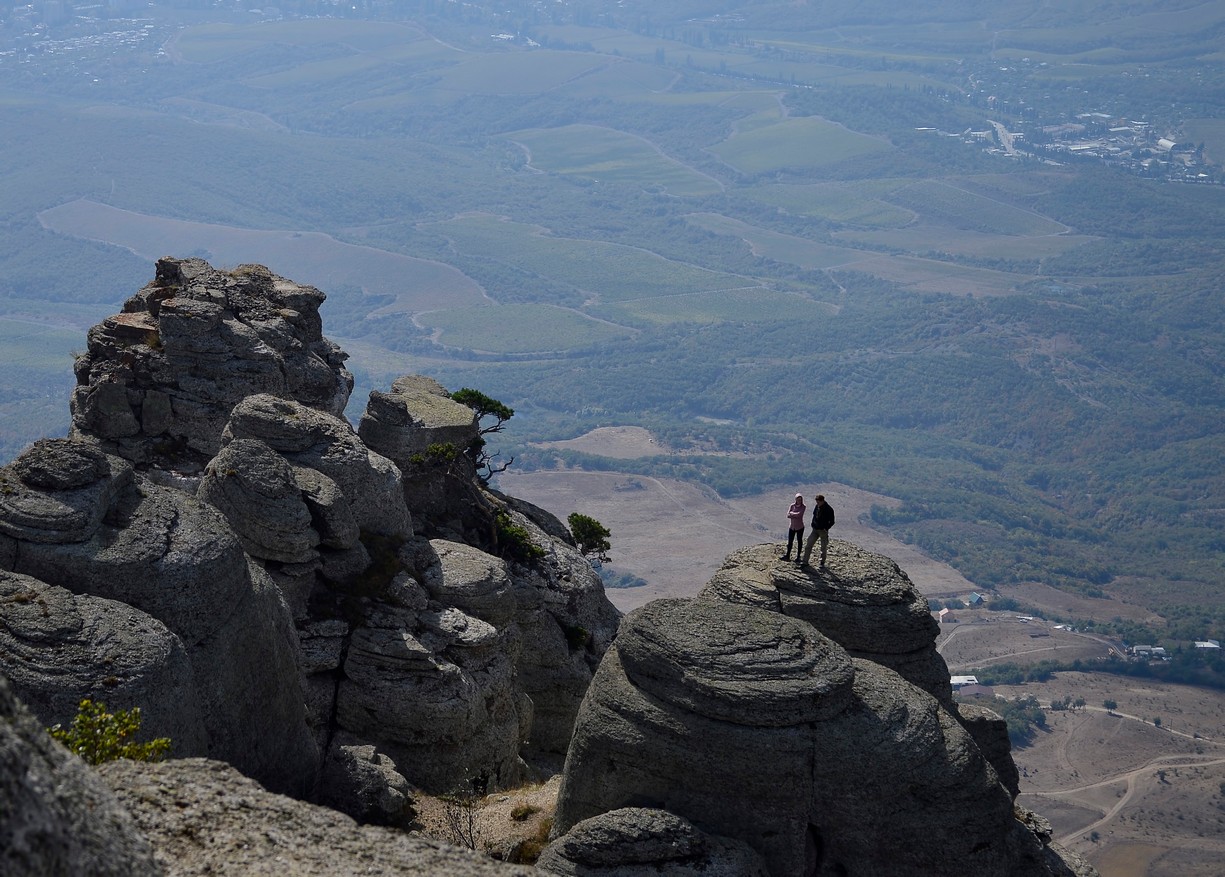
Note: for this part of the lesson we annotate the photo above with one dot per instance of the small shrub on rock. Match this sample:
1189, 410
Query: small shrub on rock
99, 736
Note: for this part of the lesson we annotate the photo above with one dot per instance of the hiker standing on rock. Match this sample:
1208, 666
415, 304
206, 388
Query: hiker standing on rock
795, 533
822, 520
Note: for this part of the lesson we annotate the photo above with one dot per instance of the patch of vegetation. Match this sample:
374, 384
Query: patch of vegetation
514, 541
98, 735
590, 535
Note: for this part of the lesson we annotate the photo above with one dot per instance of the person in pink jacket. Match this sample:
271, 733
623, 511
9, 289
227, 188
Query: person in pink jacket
795, 533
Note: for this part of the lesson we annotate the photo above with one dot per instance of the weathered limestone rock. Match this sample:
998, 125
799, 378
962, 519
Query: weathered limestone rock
57, 491
362, 782
635, 841
566, 623
56, 815
204, 818
426, 433
436, 690
861, 600
174, 558
731, 712
641, 744
469, 579
326, 444
990, 732
417, 412
58, 648
157, 382
255, 489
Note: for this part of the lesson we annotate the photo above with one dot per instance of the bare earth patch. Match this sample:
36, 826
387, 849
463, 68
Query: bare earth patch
675, 535
502, 822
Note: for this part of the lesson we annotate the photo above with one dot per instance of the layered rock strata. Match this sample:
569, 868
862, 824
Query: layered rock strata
735, 712
158, 380
204, 818
635, 841
311, 607
172, 583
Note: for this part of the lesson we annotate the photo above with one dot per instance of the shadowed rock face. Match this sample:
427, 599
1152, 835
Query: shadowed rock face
735, 712
158, 381
221, 653
56, 815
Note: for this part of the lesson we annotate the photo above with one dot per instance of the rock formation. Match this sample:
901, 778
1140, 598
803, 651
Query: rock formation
159, 380
634, 841
804, 713
204, 818
333, 621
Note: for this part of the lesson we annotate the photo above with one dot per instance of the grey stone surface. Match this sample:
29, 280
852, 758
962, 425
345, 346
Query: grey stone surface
363, 783
415, 413
256, 490
204, 818
689, 712
638, 842
39, 503
426, 433
59, 648
861, 600
437, 691
158, 380
175, 559
326, 443
56, 816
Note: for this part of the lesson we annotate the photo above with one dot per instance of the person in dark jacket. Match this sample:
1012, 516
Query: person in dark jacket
795, 531
822, 520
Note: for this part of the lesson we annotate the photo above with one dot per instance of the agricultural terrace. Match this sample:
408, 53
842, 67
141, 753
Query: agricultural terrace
609, 155
611, 271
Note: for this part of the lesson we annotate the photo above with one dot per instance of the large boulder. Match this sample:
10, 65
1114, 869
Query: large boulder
637, 841
861, 600
158, 381
56, 815
754, 725
427, 434
59, 648
326, 444
175, 559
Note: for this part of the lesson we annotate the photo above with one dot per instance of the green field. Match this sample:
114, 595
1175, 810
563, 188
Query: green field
525, 328
804, 144
733, 305
780, 247
608, 271
606, 154
856, 204
941, 202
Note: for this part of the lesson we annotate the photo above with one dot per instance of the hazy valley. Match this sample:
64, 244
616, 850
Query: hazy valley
713, 254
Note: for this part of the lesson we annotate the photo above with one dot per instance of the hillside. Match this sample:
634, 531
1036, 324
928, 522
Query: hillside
770, 235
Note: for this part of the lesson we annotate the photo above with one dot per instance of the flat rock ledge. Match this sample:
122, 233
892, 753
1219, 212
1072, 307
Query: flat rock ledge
861, 600
204, 818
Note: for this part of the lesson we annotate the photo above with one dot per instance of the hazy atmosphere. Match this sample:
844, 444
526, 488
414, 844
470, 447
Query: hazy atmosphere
957, 265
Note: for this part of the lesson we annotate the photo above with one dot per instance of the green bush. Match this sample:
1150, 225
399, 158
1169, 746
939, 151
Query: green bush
99, 736
590, 534
514, 541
